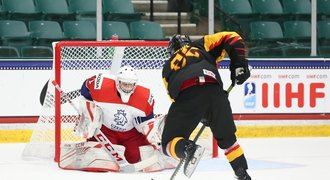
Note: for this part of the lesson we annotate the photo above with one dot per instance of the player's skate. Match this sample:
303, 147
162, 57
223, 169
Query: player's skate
194, 154
241, 174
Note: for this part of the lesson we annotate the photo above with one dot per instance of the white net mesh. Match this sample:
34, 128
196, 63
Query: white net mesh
81, 60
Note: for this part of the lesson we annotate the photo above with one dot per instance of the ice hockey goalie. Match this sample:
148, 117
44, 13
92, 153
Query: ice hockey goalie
123, 110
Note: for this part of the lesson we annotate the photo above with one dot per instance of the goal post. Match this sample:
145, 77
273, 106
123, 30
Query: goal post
74, 62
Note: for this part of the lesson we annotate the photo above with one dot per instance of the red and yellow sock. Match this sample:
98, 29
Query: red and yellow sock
176, 147
233, 152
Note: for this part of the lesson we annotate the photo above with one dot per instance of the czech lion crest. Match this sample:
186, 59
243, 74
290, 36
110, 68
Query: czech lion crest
120, 118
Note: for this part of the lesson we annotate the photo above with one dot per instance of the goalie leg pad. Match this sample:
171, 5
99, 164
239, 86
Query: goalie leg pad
164, 162
87, 156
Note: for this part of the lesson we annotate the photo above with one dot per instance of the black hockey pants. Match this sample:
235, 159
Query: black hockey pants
208, 101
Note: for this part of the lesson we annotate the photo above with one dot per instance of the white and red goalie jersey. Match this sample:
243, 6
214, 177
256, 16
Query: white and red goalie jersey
130, 126
117, 115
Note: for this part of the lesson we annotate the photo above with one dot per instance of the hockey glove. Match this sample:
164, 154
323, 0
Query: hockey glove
91, 118
239, 74
151, 133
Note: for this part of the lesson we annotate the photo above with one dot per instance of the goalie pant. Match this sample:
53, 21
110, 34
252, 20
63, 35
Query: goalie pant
131, 140
202, 101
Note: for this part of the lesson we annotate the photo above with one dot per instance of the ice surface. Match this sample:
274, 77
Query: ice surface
268, 158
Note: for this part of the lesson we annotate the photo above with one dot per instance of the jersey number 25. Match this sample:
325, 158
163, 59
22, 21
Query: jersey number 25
179, 61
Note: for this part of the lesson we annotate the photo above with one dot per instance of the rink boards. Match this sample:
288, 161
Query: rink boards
282, 98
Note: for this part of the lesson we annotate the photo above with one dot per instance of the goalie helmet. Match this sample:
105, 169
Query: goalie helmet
176, 42
126, 82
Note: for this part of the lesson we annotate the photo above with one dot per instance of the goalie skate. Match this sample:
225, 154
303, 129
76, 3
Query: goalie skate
194, 154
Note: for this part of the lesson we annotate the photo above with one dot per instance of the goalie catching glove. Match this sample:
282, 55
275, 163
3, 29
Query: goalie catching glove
91, 118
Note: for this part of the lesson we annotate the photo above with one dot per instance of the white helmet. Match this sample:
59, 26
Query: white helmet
126, 81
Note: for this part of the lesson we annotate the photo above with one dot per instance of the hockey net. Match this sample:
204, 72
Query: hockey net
75, 61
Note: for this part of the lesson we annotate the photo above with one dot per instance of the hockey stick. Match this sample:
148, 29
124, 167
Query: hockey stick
109, 148
43, 94
182, 160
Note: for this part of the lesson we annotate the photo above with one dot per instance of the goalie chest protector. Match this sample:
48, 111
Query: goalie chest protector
103, 90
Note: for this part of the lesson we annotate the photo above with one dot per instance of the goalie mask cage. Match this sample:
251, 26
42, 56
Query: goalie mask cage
74, 62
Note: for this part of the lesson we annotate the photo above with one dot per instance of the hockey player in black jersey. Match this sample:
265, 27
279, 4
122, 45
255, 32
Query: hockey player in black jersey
195, 87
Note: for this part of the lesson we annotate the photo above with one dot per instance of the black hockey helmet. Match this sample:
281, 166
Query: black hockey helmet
176, 42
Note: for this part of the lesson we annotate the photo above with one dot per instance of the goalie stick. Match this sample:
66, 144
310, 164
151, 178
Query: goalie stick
109, 148
182, 160
44, 92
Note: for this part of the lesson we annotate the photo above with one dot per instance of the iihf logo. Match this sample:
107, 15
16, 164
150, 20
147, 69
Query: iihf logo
249, 95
